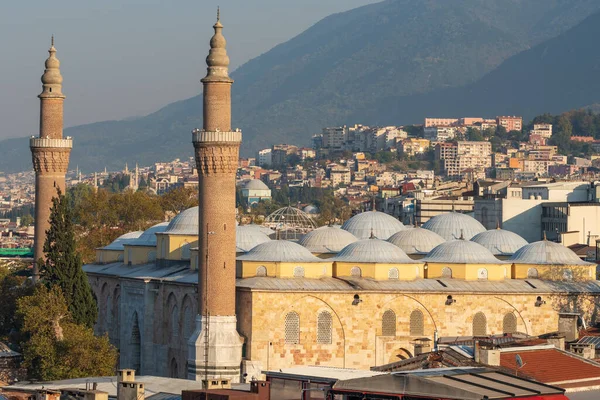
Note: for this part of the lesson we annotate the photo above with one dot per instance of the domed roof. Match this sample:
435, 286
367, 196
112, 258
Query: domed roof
380, 224
247, 237
311, 209
454, 225
500, 242
255, 184
261, 228
118, 243
372, 251
416, 240
279, 251
545, 252
461, 252
184, 223
148, 238
327, 240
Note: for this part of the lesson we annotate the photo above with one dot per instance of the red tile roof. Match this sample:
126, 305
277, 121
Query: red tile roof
551, 366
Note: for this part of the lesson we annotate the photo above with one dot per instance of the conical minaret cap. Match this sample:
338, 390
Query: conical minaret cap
217, 59
52, 79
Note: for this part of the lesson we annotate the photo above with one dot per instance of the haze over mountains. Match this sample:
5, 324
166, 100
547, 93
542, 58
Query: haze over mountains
388, 63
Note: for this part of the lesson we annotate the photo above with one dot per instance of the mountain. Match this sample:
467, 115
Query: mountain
348, 68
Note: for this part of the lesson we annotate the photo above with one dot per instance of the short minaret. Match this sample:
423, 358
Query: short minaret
50, 152
215, 348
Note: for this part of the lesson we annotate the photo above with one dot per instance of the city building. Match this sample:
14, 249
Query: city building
255, 191
413, 146
264, 158
461, 156
510, 123
541, 130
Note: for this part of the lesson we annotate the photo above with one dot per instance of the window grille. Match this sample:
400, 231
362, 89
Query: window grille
482, 273
393, 273
292, 328
416, 323
299, 272
324, 325
388, 323
262, 271
509, 323
356, 271
446, 272
532, 273
479, 324
568, 274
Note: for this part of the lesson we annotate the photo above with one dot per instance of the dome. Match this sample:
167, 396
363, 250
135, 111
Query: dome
311, 209
327, 240
184, 223
118, 243
279, 251
453, 225
416, 240
500, 242
247, 237
380, 224
461, 252
261, 228
372, 251
255, 184
148, 238
545, 252
293, 221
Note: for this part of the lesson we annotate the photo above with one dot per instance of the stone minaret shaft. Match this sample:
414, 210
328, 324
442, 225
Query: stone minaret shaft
50, 152
217, 152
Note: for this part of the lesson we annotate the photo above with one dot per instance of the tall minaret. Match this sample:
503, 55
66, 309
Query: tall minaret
217, 153
50, 152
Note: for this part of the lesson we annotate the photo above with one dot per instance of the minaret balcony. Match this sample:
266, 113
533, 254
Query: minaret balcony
37, 142
202, 136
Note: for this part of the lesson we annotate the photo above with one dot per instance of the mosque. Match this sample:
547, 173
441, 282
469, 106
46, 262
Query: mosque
201, 297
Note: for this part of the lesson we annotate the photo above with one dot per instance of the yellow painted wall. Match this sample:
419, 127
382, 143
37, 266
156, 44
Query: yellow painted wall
377, 271
108, 256
554, 272
135, 255
248, 269
495, 272
169, 247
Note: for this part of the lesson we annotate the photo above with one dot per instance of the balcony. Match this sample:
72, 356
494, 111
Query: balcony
37, 142
202, 136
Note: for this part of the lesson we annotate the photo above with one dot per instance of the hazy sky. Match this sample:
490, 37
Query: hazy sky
122, 58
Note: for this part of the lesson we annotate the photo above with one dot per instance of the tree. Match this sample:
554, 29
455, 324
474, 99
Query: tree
26, 220
179, 199
13, 285
56, 347
63, 264
474, 135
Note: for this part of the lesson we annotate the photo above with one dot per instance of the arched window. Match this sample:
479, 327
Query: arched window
482, 273
298, 272
324, 325
188, 324
509, 323
136, 342
532, 273
446, 272
388, 323
262, 271
393, 273
175, 322
356, 271
292, 328
479, 324
416, 323
185, 251
568, 274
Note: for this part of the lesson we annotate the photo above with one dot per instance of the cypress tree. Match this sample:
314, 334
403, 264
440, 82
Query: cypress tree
63, 265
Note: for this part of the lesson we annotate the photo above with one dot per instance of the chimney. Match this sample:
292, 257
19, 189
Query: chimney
262, 388
489, 356
557, 341
127, 387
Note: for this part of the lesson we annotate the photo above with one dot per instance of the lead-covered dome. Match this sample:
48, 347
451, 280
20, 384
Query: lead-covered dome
378, 224
373, 251
500, 242
184, 223
545, 252
148, 238
279, 251
461, 252
255, 184
127, 238
416, 240
327, 240
453, 225
247, 238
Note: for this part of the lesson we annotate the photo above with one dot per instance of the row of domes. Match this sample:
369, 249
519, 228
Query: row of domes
363, 239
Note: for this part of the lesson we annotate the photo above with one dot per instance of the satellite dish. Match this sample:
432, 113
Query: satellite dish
519, 360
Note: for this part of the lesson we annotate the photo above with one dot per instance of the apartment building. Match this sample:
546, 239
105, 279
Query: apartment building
542, 130
510, 123
463, 155
440, 133
413, 146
